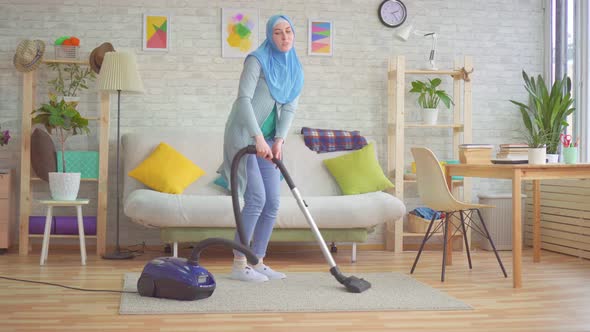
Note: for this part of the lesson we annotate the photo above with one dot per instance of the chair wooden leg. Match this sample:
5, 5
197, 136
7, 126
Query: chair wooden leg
464, 229
483, 224
423, 242
444, 260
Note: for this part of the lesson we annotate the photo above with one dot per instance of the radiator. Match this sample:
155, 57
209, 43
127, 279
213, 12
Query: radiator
499, 220
565, 217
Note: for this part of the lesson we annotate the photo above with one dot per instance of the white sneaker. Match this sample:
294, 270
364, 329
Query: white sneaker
247, 274
270, 273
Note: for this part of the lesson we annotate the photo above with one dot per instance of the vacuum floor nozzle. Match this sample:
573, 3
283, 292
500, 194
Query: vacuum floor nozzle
356, 285
352, 283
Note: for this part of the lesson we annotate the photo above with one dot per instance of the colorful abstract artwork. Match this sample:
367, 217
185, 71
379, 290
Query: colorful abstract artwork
156, 32
321, 34
239, 32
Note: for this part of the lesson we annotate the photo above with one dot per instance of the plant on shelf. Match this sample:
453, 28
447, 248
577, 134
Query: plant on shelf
61, 120
545, 116
71, 79
429, 97
4, 137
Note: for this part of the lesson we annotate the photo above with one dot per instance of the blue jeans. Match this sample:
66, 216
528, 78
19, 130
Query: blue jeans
261, 203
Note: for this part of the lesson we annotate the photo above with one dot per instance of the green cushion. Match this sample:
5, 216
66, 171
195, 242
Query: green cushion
358, 172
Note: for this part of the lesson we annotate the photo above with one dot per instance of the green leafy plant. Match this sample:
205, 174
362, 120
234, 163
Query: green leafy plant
429, 95
61, 120
536, 139
545, 116
4, 137
71, 79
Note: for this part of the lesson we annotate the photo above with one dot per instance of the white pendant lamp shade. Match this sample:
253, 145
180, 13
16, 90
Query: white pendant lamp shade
119, 72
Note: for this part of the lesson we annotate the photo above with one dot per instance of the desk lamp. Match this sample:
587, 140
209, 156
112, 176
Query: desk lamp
404, 34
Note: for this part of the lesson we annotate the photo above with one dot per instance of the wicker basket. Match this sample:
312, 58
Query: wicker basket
66, 52
417, 224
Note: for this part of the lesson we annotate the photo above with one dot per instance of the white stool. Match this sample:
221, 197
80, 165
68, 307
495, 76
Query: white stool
48, 219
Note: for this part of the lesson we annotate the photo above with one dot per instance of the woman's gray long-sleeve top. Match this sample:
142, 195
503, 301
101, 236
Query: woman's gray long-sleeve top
252, 106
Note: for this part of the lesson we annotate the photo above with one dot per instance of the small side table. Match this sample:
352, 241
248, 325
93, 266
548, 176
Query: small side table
50, 204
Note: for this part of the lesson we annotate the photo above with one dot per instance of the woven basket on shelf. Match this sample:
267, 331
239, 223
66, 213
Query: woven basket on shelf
66, 52
417, 224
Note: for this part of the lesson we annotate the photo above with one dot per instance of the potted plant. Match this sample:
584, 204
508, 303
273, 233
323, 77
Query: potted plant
70, 80
61, 120
4, 137
537, 151
429, 98
545, 116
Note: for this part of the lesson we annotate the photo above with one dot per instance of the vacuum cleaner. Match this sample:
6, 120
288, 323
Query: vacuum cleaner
184, 279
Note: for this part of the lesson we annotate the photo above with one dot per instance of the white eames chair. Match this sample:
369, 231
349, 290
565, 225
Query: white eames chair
435, 194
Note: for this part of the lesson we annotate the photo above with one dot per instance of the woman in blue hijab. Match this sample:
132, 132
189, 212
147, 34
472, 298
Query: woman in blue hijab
268, 93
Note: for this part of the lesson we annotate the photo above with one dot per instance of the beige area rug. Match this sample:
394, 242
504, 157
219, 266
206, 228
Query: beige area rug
300, 292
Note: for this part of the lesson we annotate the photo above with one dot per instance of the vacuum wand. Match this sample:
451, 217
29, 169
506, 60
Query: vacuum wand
352, 283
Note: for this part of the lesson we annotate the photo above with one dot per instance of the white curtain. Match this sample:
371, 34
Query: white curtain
582, 72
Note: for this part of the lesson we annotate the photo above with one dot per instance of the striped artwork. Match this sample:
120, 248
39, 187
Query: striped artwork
320, 37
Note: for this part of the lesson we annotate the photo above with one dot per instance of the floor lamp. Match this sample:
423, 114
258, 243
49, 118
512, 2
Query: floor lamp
118, 73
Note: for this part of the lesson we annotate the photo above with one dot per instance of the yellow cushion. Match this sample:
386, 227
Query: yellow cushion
167, 170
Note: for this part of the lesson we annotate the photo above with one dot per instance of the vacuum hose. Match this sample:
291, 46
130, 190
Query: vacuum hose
233, 180
194, 260
243, 246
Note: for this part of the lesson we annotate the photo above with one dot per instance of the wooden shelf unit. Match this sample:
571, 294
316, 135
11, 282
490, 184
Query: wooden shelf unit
26, 200
461, 125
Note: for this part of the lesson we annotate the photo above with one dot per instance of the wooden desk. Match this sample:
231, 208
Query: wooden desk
517, 173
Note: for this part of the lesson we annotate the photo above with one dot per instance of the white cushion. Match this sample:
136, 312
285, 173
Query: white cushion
156, 209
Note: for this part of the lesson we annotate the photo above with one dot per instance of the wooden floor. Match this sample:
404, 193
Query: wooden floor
555, 296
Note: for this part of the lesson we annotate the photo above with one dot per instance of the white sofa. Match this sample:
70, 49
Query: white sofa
205, 210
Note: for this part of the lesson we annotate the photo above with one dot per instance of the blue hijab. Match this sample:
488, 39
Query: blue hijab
282, 70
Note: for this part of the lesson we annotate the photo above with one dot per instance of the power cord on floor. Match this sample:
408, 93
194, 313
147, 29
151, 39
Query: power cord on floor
68, 287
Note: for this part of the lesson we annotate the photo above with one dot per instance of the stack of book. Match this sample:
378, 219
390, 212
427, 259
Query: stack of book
513, 152
475, 153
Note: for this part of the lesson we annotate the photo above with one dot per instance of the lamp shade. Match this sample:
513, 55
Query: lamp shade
119, 72
404, 33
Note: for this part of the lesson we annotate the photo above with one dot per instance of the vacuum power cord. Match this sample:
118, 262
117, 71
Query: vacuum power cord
68, 287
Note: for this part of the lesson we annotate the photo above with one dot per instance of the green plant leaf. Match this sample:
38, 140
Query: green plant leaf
444, 98
60, 119
429, 96
545, 117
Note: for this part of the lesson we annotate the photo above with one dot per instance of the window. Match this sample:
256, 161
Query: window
568, 39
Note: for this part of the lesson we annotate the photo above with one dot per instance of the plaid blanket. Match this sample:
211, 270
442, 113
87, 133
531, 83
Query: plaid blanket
327, 140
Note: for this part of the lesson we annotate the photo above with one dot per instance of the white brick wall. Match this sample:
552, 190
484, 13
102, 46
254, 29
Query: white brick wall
192, 86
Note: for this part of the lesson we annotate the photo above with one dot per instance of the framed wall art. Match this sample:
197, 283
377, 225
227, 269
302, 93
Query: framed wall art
156, 32
239, 32
320, 37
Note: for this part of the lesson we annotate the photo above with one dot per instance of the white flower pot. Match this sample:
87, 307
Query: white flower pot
537, 156
552, 158
429, 115
64, 186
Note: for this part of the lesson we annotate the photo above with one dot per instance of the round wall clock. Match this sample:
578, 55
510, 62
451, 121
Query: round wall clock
392, 13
